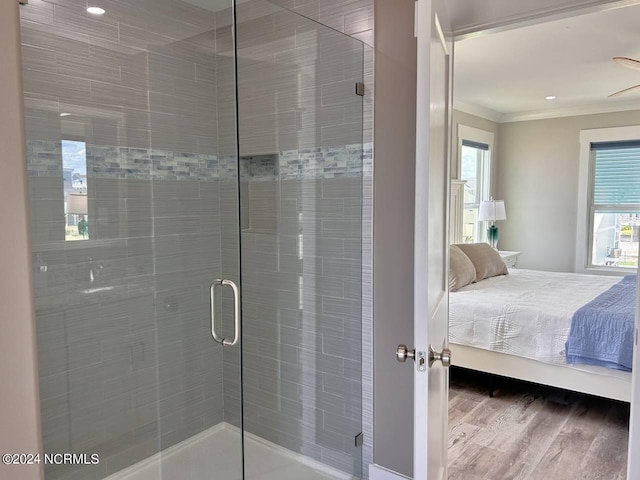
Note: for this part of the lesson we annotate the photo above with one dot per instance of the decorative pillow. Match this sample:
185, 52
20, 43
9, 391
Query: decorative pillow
461, 270
485, 259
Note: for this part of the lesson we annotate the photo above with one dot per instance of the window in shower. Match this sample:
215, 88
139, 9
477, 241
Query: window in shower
74, 168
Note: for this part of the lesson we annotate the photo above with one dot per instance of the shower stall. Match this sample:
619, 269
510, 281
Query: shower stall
195, 181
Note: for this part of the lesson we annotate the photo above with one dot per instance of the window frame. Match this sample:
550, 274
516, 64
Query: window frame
586, 207
485, 137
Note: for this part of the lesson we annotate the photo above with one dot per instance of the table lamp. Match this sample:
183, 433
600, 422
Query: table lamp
491, 211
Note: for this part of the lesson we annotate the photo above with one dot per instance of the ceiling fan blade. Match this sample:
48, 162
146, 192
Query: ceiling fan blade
627, 62
625, 91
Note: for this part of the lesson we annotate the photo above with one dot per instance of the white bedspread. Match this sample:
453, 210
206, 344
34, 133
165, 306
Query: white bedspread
526, 313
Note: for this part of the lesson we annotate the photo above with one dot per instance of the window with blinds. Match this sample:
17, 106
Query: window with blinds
615, 204
616, 173
475, 169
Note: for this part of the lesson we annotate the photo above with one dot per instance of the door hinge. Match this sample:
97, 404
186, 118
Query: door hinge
359, 440
360, 89
23, 2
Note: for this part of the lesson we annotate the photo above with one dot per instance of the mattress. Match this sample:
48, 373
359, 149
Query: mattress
526, 313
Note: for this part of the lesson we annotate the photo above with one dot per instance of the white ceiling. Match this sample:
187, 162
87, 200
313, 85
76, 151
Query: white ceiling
508, 74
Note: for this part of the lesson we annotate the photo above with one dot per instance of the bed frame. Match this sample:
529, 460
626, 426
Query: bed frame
560, 376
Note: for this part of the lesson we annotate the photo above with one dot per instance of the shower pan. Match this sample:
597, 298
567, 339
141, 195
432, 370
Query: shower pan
195, 177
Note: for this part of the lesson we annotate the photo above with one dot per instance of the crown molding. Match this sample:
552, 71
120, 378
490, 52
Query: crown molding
477, 110
574, 8
525, 116
590, 109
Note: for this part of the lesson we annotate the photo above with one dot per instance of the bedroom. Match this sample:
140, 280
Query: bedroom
528, 141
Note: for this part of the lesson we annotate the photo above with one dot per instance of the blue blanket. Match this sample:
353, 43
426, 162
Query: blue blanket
602, 330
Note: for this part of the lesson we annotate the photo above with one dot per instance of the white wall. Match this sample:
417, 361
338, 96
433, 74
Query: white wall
393, 207
537, 175
19, 403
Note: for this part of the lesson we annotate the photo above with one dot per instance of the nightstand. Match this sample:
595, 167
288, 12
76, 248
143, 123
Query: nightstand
510, 258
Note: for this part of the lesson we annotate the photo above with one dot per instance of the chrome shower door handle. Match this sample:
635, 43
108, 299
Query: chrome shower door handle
236, 312
212, 297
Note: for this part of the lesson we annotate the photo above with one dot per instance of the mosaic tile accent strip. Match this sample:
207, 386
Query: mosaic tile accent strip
44, 159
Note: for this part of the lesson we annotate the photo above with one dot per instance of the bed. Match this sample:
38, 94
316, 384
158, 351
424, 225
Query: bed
518, 326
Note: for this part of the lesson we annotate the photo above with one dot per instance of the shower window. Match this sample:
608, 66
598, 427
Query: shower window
74, 168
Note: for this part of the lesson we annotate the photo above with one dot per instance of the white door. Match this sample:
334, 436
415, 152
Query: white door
431, 304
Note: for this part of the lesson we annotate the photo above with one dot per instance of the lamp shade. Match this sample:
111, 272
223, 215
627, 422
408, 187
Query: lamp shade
492, 210
77, 204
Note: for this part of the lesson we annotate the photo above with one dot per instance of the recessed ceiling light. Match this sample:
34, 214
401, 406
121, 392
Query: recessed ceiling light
96, 10
65, 114
550, 97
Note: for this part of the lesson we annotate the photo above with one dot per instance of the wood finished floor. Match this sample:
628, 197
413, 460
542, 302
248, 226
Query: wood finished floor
531, 432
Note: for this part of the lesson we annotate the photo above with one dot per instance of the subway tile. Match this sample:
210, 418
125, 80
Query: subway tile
172, 66
117, 95
341, 267
39, 12
61, 86
342, 188
42, 36
38, 59
344, 347
360, 20
88, 67
81, 23
340, 386
142, 38
173, 104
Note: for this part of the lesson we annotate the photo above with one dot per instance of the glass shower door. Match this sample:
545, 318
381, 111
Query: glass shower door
301, 167
191, 162
131, 140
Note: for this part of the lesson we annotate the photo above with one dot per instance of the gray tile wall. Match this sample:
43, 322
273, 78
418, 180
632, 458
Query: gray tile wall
125, 371
296, 96
302, 321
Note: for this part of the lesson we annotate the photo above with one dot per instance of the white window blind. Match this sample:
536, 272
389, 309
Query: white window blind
477, 145
616, 178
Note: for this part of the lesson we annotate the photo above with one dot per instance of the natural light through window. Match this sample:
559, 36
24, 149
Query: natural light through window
74, 166
615, 204
475, 170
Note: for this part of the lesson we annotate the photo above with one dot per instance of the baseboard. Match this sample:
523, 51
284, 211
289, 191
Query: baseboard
377, 472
